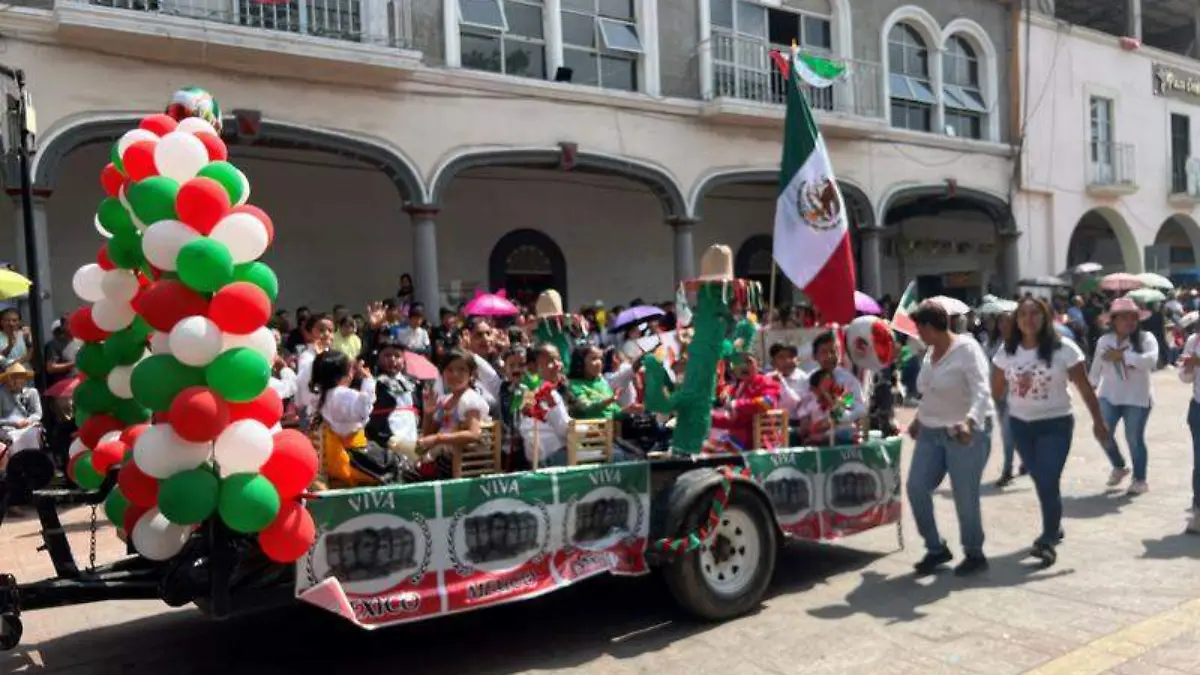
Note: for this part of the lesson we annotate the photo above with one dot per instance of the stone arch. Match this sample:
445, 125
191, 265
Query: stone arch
862, 215
1186, 225
534, 246
985, 51
659, 180
990, 203
1091, 228
63, 139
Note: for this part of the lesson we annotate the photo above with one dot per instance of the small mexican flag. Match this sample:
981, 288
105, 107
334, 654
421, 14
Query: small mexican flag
902, 319
814, 70
812, 240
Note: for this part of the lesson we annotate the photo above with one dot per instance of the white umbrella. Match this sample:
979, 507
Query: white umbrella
1152, 280
1087, 268
1121, 281
1189, 319
953, 306
997, 306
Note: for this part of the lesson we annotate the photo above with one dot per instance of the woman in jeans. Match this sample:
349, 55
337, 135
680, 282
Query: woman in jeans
1187, 373
1125, 358
1000, 332
953, 434
1032, 371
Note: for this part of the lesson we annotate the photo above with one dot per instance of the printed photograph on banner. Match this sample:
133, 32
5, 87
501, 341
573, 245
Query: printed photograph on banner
605, 519
499, 538
860, 487
379, 544
792, 481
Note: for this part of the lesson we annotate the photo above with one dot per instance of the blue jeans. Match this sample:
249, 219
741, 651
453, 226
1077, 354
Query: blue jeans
1006, 437
936, 454
1043, 446
1135, 435
1193, 420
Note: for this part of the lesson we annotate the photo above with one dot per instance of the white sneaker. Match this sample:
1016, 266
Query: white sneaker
1117, 475
1138, 487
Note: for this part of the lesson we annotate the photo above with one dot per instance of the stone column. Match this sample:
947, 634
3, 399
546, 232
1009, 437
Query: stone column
685, 253
871, 239
1134, 19
1011, 255
426, 286
41, 240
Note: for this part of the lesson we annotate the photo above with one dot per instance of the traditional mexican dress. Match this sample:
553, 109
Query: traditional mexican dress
746, 400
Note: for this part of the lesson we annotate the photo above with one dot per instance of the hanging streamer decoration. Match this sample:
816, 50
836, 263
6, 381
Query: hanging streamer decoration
692, 541
177, 354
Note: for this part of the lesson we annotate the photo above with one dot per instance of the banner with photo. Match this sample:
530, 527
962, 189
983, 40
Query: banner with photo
394, 554
824, 493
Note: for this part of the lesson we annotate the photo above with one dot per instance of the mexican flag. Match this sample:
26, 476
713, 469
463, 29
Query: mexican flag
902, 319
812, 240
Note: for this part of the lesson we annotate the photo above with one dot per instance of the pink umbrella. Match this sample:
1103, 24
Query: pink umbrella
1121, 281
64, 388
491, 304
419, 367
866, 304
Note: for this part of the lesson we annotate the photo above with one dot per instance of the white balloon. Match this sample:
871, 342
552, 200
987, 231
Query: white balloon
195, 125
88, 282
110, 437
180, 155
160, 343
245, 235
133, 136
119, 382
119, 285
261, 341
160, 453
245, 188
195, 341
162, 241
112, 315
243, 447
157, 538
100, 228
77, 448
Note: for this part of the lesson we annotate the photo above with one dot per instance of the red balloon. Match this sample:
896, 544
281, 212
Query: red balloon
107, 455
201, 202
261, 215
217, 152
71, 464
111, 180
166, 301
292, 465
133, 513
159, 125
140, 489
290, 536
84, 327
139, 160
95, 428
240, 308
103, 260
130, 435
197, 414
267, 409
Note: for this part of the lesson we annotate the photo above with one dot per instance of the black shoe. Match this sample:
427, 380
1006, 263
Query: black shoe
1061, 535
1006, 479
971, 564
1045, 553
933, 560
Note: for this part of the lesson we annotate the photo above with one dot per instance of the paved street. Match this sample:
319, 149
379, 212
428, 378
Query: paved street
1124, 598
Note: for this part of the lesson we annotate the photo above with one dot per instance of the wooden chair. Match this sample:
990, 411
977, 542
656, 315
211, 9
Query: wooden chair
480, 459
590, 442
771, 430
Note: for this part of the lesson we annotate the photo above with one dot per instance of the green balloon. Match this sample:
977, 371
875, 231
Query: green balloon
228, 176
114, 218
205, 265
125, 347
131, 412
189, 497
94, 395
114, 507
125, 251
114, 156
153, 199
92, 360
141, 328
248, 502
238, 375
86, 475
158, 379
82, 415
260, 275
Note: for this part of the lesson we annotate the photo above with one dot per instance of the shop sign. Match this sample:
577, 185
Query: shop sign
1174, 83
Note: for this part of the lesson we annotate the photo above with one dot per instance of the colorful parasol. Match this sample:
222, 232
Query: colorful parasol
13, 285
865, 304
491, 304
1152, 280
1121, 281
419, 367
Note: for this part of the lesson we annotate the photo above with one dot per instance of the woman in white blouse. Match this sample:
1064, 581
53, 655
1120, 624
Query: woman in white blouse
1125, 358
953, 434
1187, 372
1032, 371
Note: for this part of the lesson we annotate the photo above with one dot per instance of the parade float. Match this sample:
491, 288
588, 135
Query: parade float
179, 443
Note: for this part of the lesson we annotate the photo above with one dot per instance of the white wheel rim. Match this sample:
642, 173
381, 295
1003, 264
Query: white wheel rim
731, 556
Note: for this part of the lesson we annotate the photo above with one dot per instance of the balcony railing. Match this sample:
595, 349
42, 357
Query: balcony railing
742, 69
386, 23
1111, 166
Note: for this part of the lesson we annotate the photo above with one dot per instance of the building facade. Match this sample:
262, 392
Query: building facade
1108, 169
596, 146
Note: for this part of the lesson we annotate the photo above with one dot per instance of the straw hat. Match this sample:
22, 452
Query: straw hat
716, 264
548, 304
1126, 306
16, 370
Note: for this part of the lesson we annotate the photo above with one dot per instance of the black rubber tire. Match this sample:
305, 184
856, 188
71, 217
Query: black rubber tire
10, 632
685, 580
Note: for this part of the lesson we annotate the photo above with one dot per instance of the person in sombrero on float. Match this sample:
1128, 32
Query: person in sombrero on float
1125, 357
20, 413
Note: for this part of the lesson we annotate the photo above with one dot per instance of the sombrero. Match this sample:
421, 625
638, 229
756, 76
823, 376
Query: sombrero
16, 370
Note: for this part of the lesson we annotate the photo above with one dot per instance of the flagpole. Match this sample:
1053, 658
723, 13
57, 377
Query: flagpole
774, 265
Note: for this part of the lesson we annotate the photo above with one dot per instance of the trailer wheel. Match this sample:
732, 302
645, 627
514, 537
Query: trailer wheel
11, 630
729, 574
